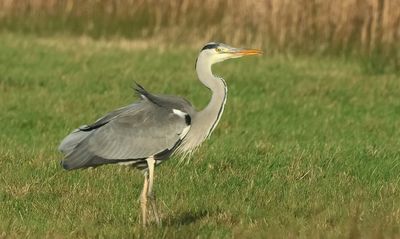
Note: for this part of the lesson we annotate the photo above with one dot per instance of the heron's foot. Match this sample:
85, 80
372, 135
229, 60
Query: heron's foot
149, 213
154, 215
151, 219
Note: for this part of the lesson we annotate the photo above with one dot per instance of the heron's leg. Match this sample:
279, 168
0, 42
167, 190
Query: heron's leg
150, 194
143, 198
154, 209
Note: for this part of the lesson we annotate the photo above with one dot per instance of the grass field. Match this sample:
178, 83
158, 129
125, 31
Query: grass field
307, 146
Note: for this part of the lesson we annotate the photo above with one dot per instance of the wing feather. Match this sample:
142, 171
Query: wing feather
138, 132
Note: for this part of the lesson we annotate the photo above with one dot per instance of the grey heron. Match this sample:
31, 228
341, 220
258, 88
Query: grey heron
147, 132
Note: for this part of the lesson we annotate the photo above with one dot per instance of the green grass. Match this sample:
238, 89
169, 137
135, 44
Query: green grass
307, 146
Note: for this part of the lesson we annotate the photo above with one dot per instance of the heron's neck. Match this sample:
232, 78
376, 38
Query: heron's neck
211, 114
205, 121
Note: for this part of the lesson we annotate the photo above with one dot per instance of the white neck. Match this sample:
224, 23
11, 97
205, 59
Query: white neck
211, 114
205, 121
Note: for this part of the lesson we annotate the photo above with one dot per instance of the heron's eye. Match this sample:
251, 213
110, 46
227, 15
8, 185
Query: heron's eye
218, 49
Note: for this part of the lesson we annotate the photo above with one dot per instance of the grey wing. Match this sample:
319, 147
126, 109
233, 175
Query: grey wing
78, 135
138, 133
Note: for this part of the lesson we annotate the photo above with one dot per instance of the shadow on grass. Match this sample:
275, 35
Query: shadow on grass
187, 218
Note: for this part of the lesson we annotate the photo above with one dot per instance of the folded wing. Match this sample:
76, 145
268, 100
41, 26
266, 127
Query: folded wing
132, 134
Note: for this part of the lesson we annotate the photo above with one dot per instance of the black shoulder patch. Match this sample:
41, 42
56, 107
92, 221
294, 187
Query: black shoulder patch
188, 120
210, 46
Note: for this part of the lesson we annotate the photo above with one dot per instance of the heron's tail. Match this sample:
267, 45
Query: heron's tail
72, 140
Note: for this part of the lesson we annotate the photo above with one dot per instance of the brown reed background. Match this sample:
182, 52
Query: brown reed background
360, 26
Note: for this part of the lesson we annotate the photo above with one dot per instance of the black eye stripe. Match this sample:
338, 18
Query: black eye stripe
210, 46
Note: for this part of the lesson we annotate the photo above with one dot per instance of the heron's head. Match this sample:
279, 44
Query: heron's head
217, 52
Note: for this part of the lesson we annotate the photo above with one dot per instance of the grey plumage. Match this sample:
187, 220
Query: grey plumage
147, 132
129, 134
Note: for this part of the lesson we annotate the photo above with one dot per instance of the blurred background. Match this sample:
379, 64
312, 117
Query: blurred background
364, 28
